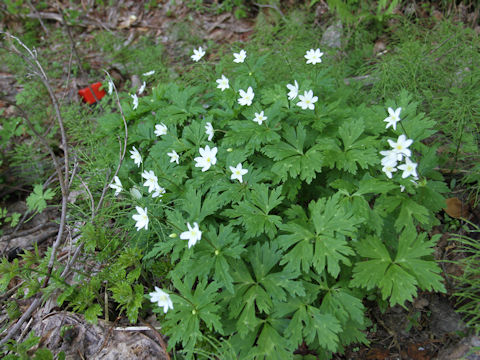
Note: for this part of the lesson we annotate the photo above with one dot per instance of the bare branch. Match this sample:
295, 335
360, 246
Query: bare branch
38, 70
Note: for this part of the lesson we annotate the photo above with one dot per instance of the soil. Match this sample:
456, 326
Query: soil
428, 328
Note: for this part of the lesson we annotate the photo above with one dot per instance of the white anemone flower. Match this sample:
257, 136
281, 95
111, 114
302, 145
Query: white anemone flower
161, 129
158, 191
238, 172
390, 157
313, 56
135, 101
260, 118
223, 83
246, 97
142, 88
162, 299
149, 73
307, 100
209, 131
400, 147
409, 168
240, 57
110, 87
293, 90
207, 158
388, 169
393, 118
117, 186
174, 157
192, 235
197, 54
136, 157
150, 180
141, 218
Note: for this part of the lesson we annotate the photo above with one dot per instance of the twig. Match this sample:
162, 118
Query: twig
13, 235
24, 331
38, 17
11, 291
441, 44
38, 70
68, 75
135, 328
26, 315
74, 171
274, 7
106, 301
72, 260
92, 202
448, 52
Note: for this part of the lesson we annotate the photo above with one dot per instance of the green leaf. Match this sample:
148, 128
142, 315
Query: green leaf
315, 326
195, 305
357, 152
272, 345
254, 212
369, 273
249, 134
320, 242
92, 313
411, 248
430, 195
344, 305
37, 200
300, 256
350, 132
410, 210
199, 206
43, 354
397, 284
290, 158
369, 185
216, 255
397, 279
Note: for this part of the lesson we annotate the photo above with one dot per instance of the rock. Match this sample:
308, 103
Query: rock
332, 37
444, 319
465, 349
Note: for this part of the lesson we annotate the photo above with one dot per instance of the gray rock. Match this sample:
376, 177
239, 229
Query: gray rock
444, 319
332, 37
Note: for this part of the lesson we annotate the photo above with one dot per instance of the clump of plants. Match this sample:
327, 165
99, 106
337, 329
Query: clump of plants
468, 287
274, 207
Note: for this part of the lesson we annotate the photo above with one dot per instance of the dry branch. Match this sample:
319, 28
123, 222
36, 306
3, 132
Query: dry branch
30, 57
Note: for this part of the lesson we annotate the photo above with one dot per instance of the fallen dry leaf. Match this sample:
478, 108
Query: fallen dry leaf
418, 352
455, 208
377, 354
